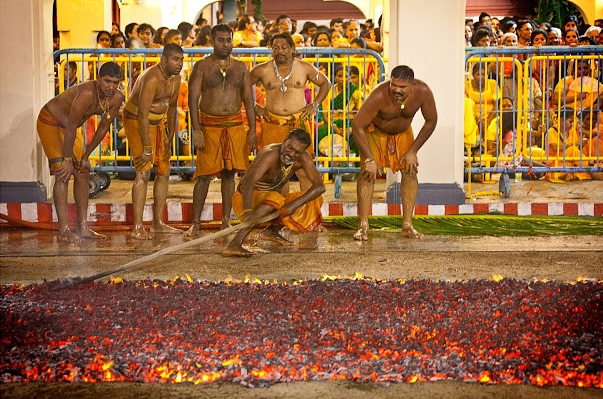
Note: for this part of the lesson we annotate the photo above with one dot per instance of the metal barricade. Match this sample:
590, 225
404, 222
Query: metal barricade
553, 126
331, 118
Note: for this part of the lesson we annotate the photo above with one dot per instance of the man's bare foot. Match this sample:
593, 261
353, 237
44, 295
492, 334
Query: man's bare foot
140, 233
161, 228
321, 228
409, 232
361, 234
236, 251
67, 235
270, 233
193, 231
87, 233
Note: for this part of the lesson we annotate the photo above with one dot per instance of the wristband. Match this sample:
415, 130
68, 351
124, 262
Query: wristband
315, 104
68, 159
147, 153
369, 160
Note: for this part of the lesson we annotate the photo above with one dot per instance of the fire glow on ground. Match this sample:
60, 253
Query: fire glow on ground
258, 333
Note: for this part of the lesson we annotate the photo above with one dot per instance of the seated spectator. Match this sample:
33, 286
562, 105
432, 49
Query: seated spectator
592, 132
118, 40
524, 33
485, 93
159, 36
593, 32
145, 34
310, 28
570, 37
361, 83
173, 36
570, 22
115, 29
203, 37
131, 30
346, 101
579, 92
509, 26
322, 39
564, 141
555, 37
188, 34
510, 89
246, 34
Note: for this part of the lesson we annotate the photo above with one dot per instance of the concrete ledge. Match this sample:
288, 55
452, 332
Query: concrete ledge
183, 212
17, 192
430, 194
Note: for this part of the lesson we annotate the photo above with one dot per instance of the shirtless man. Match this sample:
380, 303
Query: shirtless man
284, 79
218, 85
63, 144
154, 94
259, 191
382, 130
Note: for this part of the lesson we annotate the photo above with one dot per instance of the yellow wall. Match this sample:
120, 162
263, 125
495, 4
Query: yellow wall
80, 20
591, 9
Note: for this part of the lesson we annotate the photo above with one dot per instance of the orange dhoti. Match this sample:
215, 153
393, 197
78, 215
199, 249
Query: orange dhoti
306, 218
225, 145
161, 157
388, 149
52, 137
276, 127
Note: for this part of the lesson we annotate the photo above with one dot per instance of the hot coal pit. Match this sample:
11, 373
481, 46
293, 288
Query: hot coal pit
260, 333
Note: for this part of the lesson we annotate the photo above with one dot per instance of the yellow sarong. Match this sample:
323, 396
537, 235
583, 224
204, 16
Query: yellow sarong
276, 127
161, 158
306, 218
52, 137
225, 145
388, 149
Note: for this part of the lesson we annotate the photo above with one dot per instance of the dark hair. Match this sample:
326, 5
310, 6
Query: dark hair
537, 32
359, 41
507, 25
354, 70
243, 21
336, 21
129, 28
282, 16
111, 69
570, 18
321, 32
185, 28
300, 135
102, 32
170, 34
403, 72
589, 39
308, 25
201, 39
482, 16
115, 36
571, 30
220, 28
145, 26
479, 66
157, 35
283, 35
479, 35
171, 48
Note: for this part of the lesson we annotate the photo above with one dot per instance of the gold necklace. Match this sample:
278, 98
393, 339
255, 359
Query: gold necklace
286, 169
104, 106
165, 75
223, 68
404, 102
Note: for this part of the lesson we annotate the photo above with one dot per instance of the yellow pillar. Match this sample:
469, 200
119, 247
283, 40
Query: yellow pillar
78, 21
591, 9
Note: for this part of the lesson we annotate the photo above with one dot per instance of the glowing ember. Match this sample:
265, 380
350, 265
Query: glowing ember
257, 333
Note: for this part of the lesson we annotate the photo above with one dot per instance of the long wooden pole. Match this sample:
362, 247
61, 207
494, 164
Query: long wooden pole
165, 251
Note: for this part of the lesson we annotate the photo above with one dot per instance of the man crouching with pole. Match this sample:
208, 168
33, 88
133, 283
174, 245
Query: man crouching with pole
259, 192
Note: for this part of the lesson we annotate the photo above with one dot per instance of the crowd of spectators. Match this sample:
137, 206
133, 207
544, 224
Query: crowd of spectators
545, 90
554, 103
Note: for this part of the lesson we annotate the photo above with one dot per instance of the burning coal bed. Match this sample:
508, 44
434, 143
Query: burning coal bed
260, 333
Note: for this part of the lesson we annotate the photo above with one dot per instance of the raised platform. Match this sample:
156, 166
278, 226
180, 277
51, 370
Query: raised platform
527, 198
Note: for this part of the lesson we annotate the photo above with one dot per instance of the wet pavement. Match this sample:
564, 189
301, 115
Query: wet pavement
32, 256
